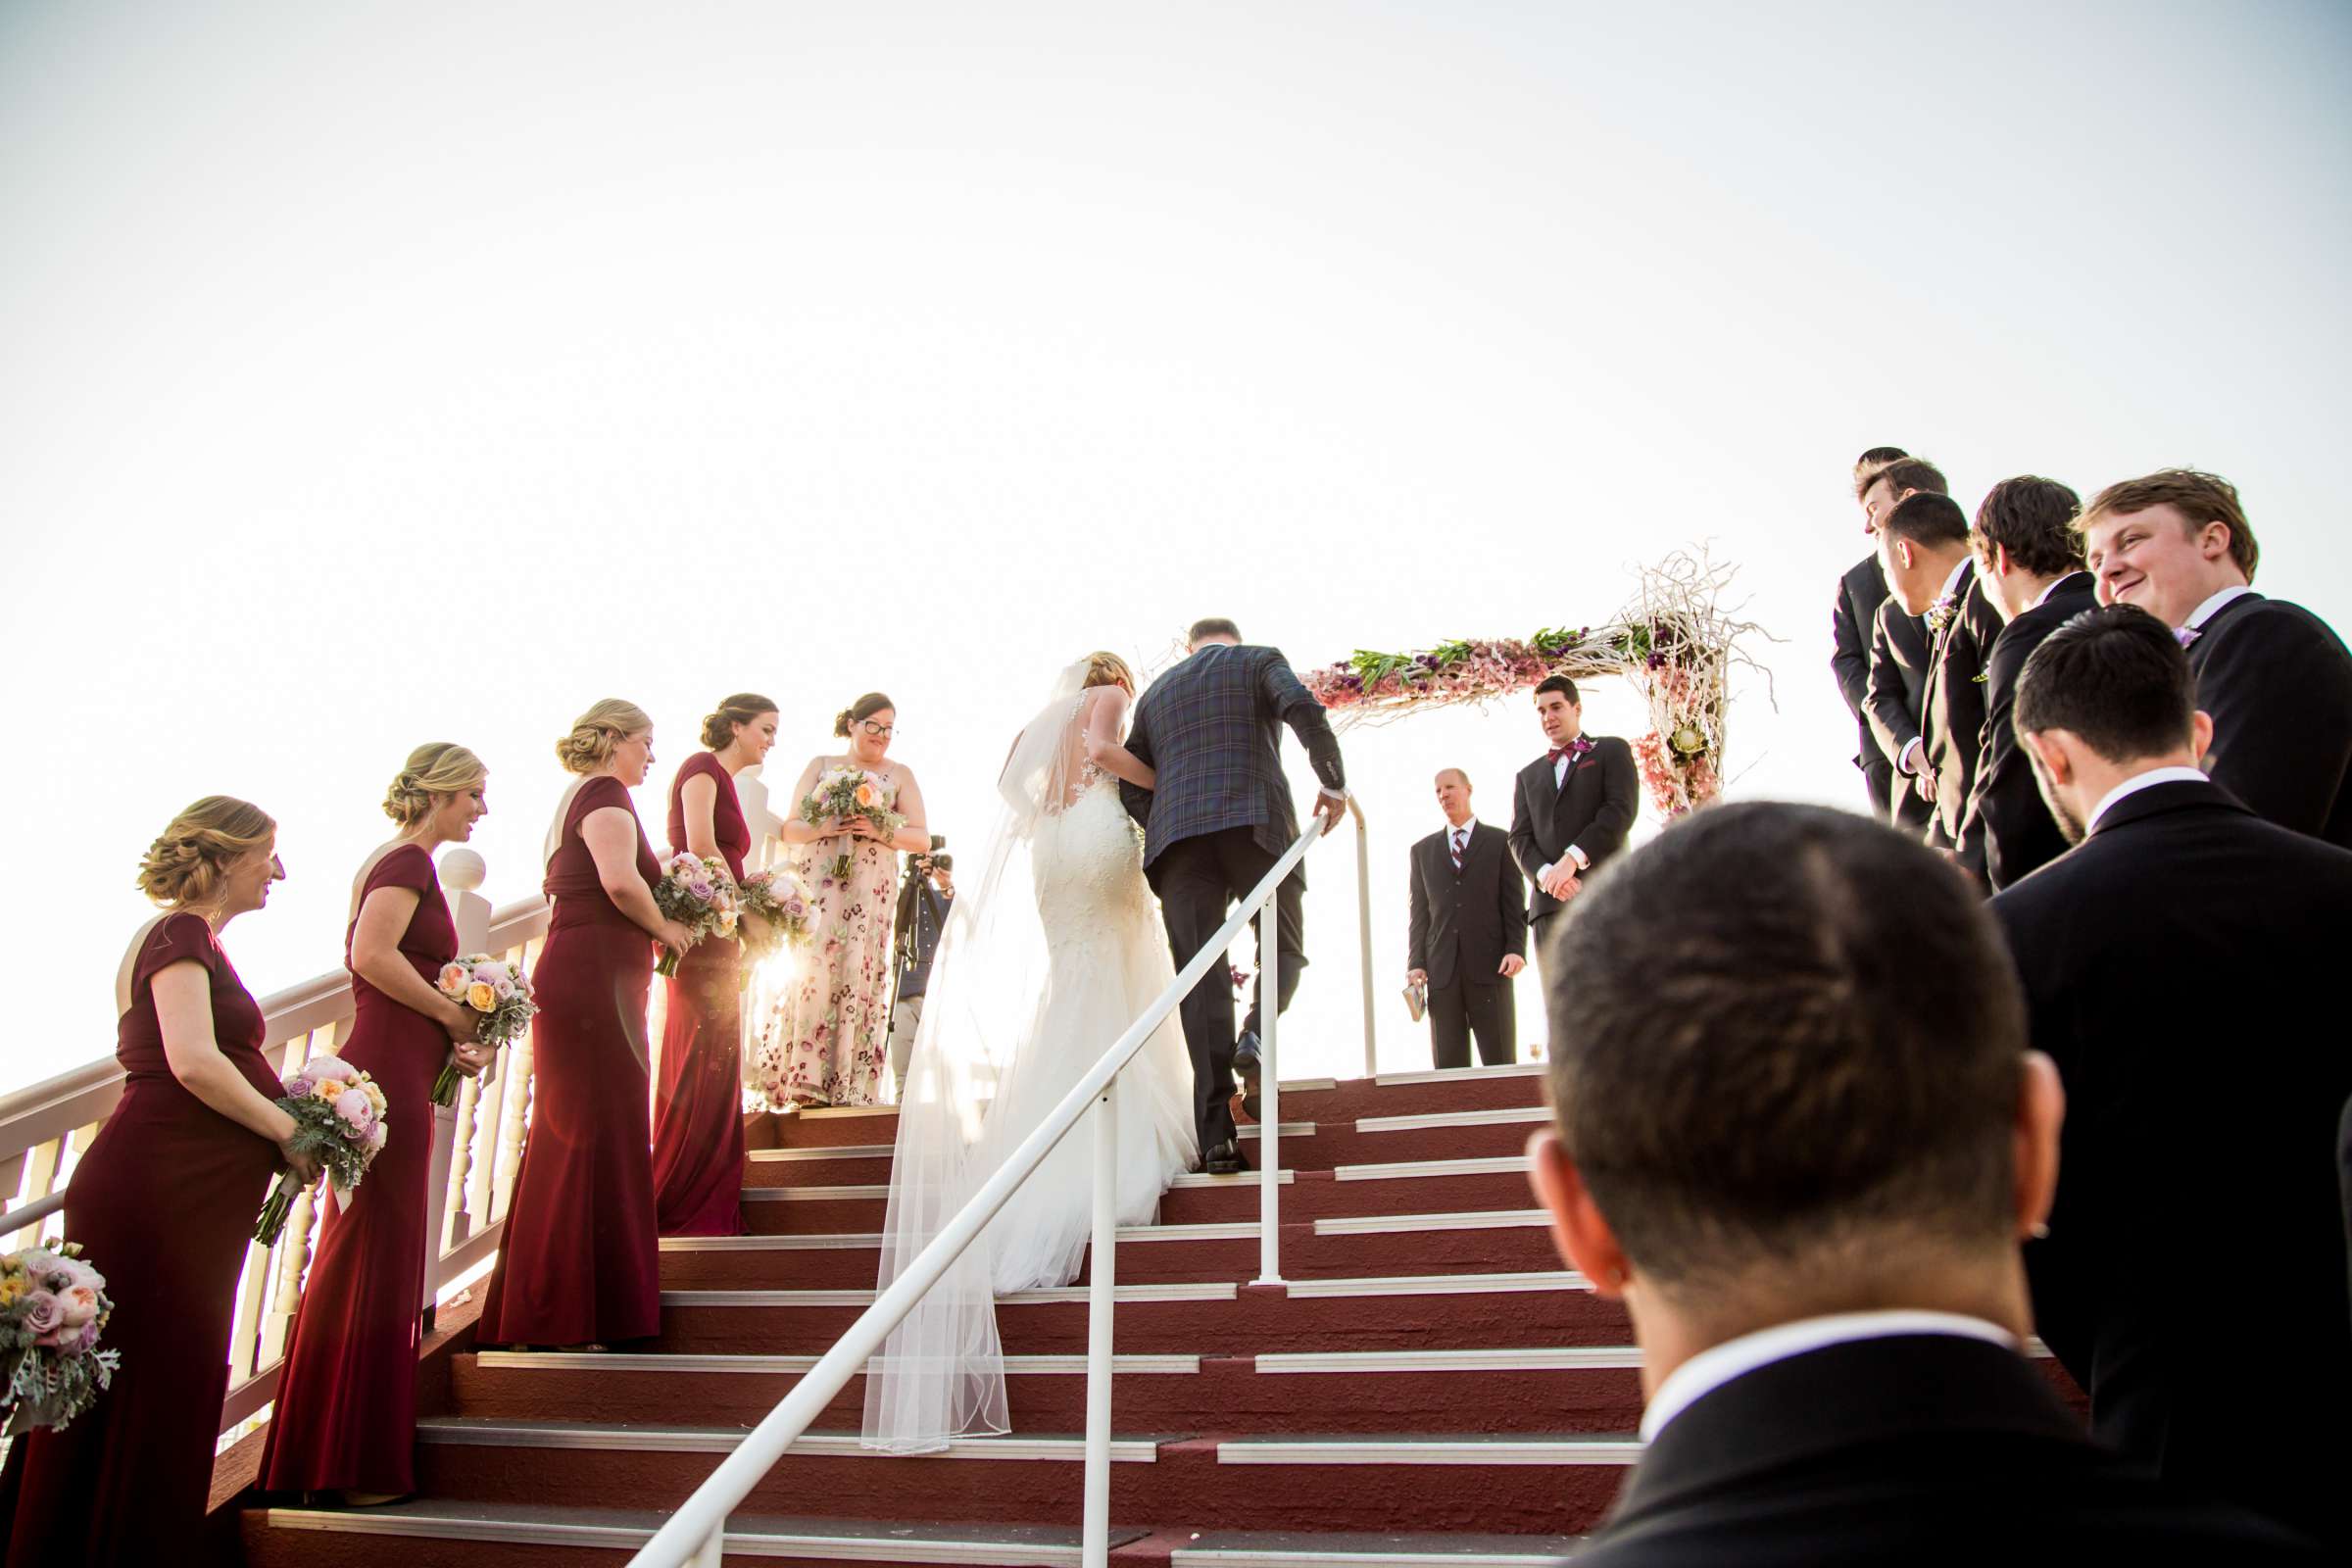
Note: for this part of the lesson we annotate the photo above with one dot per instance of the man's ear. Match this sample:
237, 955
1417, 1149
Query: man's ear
2002, 565
2056, 766
1902, 553
1578, 1228
2200, 734
2040, 1113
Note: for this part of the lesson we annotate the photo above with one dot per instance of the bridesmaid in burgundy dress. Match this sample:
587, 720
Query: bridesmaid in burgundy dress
163, 1203
697, 1098
579, 1267
346, 1415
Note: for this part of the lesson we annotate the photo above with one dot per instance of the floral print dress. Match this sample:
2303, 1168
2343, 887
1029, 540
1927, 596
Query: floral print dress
827, 1039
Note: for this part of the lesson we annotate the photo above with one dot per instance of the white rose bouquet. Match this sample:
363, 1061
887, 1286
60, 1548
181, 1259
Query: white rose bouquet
339, 1115
697, 892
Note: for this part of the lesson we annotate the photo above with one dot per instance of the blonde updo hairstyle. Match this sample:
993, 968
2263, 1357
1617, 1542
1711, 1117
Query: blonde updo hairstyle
1109, 669
718, 728
435, 768
596, 733
864, 707
185, 865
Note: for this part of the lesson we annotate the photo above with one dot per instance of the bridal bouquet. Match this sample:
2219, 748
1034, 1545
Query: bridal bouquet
339, 1116
777, 897
498, 990
848, 791
697, 892
53, 1306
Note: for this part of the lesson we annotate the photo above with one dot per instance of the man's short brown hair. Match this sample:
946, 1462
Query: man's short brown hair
2199, 496
1903, 473
2033, 519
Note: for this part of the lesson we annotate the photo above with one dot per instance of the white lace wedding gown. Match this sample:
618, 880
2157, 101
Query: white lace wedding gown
1045, 964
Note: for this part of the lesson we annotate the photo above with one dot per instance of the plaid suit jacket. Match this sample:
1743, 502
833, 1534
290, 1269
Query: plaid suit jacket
1210, 728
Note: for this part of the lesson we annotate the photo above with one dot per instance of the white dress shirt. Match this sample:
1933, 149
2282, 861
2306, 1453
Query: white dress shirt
2198, 616
2142, 781
1559, 781
1718, 1364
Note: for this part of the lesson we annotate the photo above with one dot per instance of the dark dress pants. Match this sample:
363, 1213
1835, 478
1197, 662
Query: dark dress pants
1486, 1009
1197, 879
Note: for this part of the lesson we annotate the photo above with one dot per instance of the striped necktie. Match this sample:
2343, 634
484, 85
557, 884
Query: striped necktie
1455, 839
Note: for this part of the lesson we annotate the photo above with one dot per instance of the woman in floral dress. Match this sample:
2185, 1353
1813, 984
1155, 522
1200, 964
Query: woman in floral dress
827, 1040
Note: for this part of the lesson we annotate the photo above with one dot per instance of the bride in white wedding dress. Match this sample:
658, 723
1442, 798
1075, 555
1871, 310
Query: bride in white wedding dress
1043, 966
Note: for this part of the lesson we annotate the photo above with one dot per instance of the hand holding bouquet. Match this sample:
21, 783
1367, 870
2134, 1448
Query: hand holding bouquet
496, 989
53, 1306
697, 892
338, 1120
777, 897
849, 793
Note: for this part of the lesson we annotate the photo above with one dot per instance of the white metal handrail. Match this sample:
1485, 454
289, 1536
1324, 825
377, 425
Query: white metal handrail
695, 1533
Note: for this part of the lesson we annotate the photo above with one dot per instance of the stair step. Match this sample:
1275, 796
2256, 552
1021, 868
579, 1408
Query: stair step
1237, 1548
633, 1436
426, 1534
1477, 1449
1448, 1120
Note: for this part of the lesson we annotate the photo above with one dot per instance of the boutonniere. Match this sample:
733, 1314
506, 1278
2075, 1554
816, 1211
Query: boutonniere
1939, 614
1580, 746
1980, 676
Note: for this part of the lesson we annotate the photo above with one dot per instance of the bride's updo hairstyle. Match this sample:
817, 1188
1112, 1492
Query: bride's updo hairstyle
185, 863
1109, 669
437, 768
864, 707
718, 728
597, 732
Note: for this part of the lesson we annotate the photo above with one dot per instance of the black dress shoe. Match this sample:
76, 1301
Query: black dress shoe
1225, 1160
1247, 1058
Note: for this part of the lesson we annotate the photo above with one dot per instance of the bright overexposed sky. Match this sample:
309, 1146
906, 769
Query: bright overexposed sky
376, 373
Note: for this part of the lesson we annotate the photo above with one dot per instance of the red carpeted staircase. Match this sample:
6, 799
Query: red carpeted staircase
1431, 1386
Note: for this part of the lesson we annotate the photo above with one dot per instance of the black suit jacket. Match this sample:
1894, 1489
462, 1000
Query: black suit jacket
1212, 729
1593, 809
1852, 620
2180, 966
1911, 1450
1463, 924
2279, 684
2015, 822
1952, 731
1896, 695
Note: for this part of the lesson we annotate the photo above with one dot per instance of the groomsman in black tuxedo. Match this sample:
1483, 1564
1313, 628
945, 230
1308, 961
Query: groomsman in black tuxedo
1467, 937
1852, 620
1923, 544
2029, 562
2181, 965
1571, 808
1895, 695
2274, 678
1806, 1164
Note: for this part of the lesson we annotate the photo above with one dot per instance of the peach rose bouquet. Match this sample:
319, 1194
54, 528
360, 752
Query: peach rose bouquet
339, 1115
843, 793
698, 892
498, 990
53, 1306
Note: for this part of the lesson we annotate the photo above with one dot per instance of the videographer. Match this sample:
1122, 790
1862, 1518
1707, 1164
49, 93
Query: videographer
924, 896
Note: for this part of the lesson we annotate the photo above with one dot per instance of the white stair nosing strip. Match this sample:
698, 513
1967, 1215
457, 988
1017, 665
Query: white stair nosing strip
789, 1366
1561, 1359
764, 1299
1290, 1129
1458, 1075
1437, 1285
1423, 1170
622, 1438
815, 1194
1406, 1224
809, 1152
1501, 1116
1433, 1451
815, 1242
1237, 1230
1310, 1086
846, 1110
1187, 1290
739, 1542
1195, 1181
1263, 1557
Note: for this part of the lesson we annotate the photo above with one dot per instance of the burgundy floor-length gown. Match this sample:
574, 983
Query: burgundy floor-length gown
581, 1258
698, 1090
346, 1417
164, 1204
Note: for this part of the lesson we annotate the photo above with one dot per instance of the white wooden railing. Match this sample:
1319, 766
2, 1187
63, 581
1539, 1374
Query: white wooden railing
477, 1142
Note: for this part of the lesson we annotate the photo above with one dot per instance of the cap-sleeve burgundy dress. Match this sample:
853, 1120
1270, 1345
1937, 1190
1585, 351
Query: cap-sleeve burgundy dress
164, 1204
698, 1094
346, 1415
581, 1258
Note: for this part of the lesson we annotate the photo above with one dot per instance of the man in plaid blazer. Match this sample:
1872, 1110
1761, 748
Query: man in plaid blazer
1216, 819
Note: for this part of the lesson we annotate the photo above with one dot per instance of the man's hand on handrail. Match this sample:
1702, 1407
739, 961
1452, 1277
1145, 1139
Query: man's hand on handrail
1330, 809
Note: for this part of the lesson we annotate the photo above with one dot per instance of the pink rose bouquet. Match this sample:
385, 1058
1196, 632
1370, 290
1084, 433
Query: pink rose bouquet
847, 792
777, 897
53, 1306
339, 1115
697, 892
498, 990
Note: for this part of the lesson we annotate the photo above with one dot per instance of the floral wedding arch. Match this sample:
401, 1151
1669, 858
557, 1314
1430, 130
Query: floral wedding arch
1675, 642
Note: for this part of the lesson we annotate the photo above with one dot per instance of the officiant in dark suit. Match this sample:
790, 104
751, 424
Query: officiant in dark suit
1571, 809
1924, 547
1216, 819
2179, 965
1467, 935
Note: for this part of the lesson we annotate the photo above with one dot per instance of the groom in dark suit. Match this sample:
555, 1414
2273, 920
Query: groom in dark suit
1215, 820
1924, 546
1467, 935
1570, 811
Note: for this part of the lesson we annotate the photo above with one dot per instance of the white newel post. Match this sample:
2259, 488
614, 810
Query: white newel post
1269, 1091
1101, 1294
1363, 929
462, 876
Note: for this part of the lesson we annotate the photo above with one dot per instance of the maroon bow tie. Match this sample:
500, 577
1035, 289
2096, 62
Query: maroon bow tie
1575, 748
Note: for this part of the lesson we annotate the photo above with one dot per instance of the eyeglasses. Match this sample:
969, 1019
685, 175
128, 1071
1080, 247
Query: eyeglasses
877, 731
